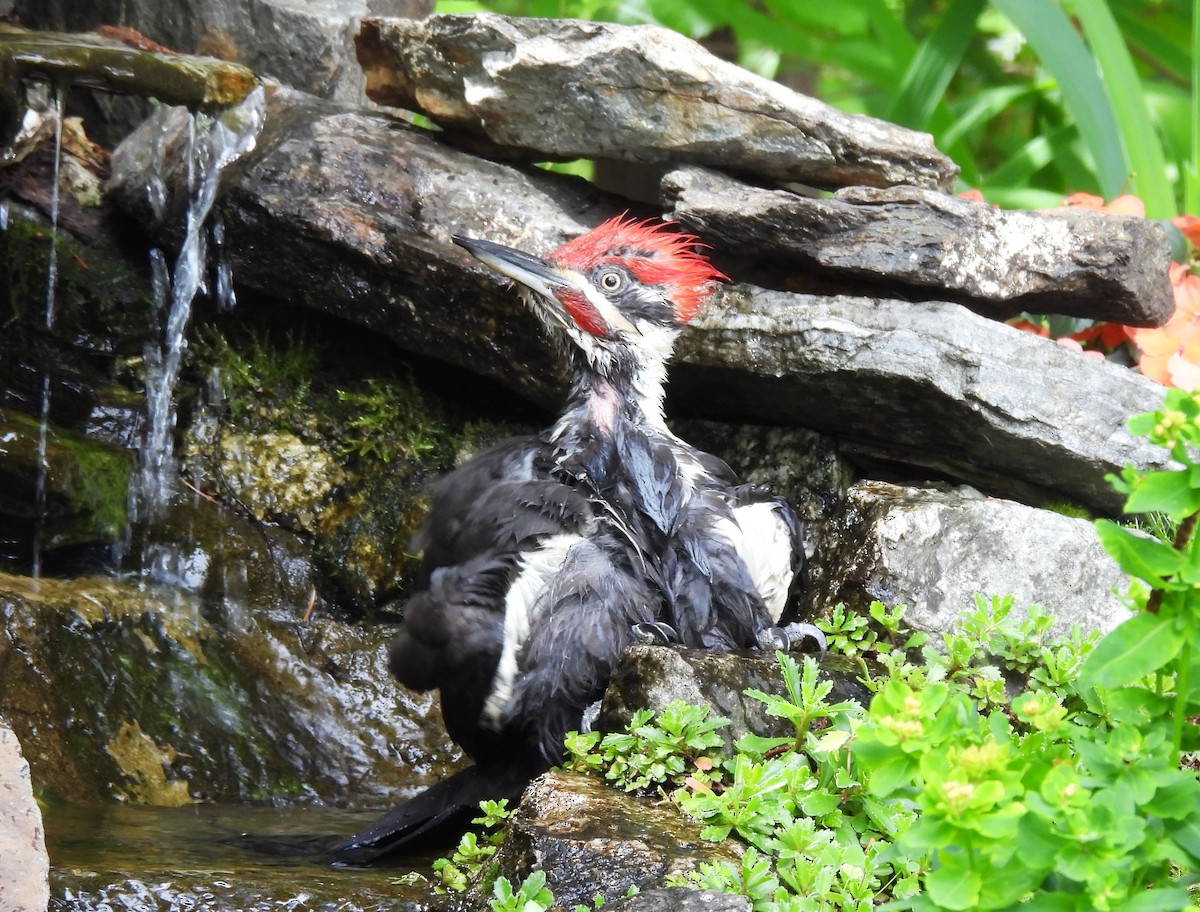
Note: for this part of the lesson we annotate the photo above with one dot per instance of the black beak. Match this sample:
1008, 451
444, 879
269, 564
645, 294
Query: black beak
520, 267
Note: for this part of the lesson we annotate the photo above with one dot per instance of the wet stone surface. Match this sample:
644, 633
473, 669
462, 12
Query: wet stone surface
593, 840
158, 859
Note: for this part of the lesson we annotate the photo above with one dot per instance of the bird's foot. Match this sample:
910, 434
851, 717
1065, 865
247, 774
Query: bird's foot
794, 637
591, 715
654, 634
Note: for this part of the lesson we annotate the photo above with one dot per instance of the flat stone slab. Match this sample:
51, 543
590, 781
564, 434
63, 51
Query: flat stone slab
934, 550
106, 63
307, 44
351, 213
928, 384
562, 88
926, 244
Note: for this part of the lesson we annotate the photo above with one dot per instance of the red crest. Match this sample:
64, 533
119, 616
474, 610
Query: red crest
654, 253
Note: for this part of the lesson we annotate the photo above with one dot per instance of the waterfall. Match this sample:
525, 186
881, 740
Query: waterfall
57, 103
212, 144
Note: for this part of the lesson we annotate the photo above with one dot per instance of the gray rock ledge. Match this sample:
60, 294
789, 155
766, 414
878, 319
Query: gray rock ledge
934, 550
926, 244
928, 384
563, 88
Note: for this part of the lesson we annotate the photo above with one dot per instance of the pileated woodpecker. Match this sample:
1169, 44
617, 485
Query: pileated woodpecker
545, 557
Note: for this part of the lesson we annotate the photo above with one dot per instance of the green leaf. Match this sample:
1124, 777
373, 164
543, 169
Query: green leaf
926, 79
1124, 88
1138, 555
1160, 899
1142, 645
893, 770
1063, 53
954, 884
1187, 836
1168, 492
1159, 47
981, 108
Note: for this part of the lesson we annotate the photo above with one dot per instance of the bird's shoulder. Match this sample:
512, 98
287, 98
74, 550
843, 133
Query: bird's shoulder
506, 498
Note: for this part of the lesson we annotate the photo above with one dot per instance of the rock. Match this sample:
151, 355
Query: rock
929, 384
680, 899
924, 244
303, 43
165, 695
86, 485
102, 62
562, 88
592, 840
650, 677
24, 864
352, 213
933, 550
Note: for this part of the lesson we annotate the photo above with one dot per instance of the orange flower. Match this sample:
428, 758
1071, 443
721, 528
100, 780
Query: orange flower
1125, 204
1171, 353
1189, 226
1026, 326
975, 195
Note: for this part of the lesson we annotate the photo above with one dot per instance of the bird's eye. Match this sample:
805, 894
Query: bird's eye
610, 281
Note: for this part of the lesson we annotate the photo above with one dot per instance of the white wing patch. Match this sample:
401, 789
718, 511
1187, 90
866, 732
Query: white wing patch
521, 606
766, 546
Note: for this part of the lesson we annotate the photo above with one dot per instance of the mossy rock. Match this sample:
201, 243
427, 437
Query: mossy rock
123, 689
86, 483
340, 452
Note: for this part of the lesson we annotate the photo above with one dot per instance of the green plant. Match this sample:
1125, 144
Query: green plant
672, 749
1072, 795
466, 865
530, 896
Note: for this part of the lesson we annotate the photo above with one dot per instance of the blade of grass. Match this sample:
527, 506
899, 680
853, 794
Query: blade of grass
1022, 165
1067, 59
1169, 57
891, 32
1142, 145
1192, 169
924, 82
982, 108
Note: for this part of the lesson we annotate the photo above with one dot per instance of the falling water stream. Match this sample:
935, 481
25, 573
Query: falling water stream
58, 101
212, 144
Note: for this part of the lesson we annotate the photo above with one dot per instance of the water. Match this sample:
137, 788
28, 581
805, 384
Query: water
40, 506
213, 143
100, 859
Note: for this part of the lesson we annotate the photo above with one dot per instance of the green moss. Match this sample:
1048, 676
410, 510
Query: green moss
389, 421
1072, 510
265, 381
100, 484
88, 481
100, 304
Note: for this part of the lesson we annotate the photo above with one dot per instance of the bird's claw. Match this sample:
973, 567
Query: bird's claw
795, 637
654, 633
591, 715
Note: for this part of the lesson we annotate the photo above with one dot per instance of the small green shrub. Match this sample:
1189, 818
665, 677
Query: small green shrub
470, 860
